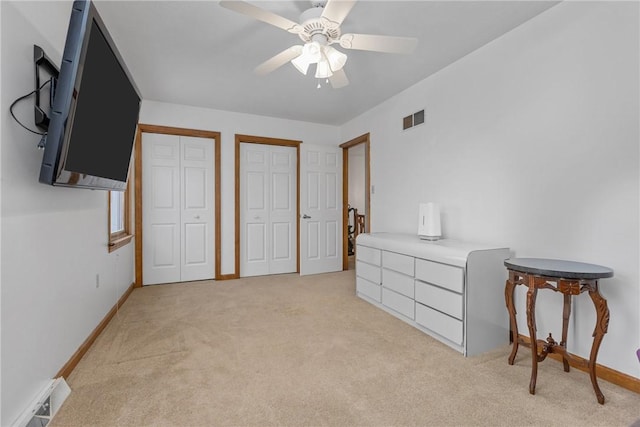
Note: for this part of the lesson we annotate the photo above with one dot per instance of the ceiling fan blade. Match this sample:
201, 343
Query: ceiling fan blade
279, 60
339, 79
388, 44
262, 15
336, 10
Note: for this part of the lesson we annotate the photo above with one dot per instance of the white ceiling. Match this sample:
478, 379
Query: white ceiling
198, 53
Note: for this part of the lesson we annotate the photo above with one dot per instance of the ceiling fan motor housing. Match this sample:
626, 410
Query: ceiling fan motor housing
315, 25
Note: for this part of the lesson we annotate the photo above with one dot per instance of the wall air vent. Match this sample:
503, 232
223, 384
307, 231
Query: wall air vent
412, 120
44, 407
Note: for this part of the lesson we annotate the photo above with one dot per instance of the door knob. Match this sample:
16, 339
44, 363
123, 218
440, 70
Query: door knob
305, 216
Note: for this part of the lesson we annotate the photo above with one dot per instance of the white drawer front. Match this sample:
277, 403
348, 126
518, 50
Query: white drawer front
367, 254
397, 282
399, 303
402, 263
441, 299
439, 323
369, 272
369, 289
442, 275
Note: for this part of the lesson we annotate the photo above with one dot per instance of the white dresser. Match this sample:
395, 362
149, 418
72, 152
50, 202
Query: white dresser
451, 290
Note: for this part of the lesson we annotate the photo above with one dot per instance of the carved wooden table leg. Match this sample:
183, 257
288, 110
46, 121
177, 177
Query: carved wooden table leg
566, 313
531, 322
508, 295
602, 325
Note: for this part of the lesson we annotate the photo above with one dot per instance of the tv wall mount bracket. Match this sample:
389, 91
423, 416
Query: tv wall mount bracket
41, 60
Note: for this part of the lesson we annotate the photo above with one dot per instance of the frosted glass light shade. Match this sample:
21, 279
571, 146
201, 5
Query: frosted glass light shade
311, 53
301, 63
323, 70
336, 58
327, 58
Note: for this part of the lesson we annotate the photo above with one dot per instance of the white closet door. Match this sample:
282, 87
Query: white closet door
321, 209
283, 210
268, 207
254, 209
177, 209
161, 208
197, 214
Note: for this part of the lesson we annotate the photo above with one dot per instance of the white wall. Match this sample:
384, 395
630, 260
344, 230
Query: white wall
230, 124
54, 240
530, 142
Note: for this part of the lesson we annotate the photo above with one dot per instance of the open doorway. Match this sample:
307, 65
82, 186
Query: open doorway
356, 195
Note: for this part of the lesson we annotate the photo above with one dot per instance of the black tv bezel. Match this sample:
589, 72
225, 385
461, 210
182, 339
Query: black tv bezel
52, 170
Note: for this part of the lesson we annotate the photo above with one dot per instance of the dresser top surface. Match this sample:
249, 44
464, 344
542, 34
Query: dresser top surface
444, 250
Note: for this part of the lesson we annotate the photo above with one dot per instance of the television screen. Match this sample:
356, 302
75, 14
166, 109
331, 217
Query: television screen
95, 110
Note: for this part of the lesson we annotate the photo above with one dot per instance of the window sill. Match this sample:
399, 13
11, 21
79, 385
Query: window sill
119, 242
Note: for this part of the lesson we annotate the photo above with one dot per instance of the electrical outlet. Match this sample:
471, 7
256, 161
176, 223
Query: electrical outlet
97, 280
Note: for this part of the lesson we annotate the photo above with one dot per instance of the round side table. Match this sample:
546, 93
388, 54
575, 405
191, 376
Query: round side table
569, 278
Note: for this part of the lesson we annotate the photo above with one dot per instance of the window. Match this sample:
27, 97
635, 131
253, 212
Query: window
119, 212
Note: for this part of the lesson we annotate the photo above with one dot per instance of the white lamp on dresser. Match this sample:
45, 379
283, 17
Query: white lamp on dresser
429, 221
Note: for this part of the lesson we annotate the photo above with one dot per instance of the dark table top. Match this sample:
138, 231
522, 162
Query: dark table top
558, 268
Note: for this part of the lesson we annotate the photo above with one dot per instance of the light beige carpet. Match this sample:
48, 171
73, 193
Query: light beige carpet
305, 351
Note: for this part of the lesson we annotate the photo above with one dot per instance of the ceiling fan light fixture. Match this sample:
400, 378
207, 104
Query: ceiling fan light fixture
323, 70
335, 58
301, 63
312, 53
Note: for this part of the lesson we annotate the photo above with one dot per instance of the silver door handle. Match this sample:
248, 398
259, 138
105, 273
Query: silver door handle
256, 217
197, 217
305, 216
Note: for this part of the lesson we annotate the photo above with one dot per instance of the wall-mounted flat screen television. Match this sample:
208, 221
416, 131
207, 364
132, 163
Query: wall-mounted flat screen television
95, 109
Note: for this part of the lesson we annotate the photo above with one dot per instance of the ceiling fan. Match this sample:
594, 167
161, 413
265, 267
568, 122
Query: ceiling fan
319, 28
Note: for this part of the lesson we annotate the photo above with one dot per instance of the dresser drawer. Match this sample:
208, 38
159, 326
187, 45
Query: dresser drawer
443, 275
401, 263
399, 303
368, 271
441, 299
369, 289
367, 254
397, 282
439, 323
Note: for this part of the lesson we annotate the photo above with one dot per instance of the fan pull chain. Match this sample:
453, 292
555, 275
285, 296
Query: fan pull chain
319, 85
